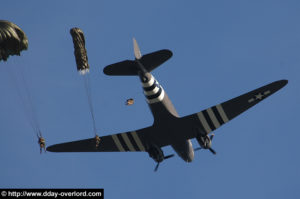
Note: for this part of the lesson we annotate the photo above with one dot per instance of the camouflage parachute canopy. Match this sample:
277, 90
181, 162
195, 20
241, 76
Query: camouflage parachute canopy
12, 40
79, 50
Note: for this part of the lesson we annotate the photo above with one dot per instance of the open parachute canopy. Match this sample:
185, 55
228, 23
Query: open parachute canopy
12, 40
80, 51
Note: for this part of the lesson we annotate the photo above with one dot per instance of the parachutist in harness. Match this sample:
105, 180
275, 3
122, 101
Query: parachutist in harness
83, 67
97, 139
13, 40
42, 144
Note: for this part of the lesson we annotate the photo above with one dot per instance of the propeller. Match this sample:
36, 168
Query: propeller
213, 151
166, 157
211, 138
156, 167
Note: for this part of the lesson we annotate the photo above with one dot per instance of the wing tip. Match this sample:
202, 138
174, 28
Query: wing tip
168, 53
52, 148
285, 81
106, 70
282, 83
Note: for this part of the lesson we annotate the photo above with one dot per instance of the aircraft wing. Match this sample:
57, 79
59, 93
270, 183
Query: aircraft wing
207, 121
212, 118
129, 141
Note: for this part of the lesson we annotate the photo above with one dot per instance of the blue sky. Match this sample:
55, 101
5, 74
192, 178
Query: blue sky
221, 49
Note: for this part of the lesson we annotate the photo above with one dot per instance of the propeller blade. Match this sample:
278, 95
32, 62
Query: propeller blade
169, 156
213, 151
156, 167
211, 137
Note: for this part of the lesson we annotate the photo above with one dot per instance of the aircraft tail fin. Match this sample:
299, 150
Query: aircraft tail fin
136, 48
131, 67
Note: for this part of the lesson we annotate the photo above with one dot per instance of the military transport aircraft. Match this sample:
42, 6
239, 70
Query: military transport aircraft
168, 128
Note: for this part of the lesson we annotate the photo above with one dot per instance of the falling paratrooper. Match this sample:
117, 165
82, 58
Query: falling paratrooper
42, 143
83, 68
97, 140
129, 102
12, 40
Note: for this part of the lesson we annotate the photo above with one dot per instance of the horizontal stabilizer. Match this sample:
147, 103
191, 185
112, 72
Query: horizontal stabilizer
130, 67
155, 59
126, 67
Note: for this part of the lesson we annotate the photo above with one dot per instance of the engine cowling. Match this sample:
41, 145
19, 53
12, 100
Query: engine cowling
156, 154
204, 141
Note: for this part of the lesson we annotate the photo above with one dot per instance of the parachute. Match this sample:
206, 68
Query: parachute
80, 51
12, 40
83, 68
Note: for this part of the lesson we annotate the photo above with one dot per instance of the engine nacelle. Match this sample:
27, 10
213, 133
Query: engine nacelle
204, 141
156, 154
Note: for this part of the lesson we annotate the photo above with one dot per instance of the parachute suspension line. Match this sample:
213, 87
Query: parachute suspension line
39, 134
26, 101
22, 99
89, 96
30, 102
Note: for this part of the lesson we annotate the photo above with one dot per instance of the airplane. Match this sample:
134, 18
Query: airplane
168, 128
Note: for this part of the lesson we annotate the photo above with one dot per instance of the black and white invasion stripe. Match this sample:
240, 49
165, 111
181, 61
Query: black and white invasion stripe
128, 142
212, 118
153, 91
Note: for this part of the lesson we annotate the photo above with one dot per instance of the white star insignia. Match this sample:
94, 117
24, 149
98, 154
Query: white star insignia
259, 96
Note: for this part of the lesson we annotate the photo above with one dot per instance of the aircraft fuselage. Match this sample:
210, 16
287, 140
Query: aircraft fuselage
165, 115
